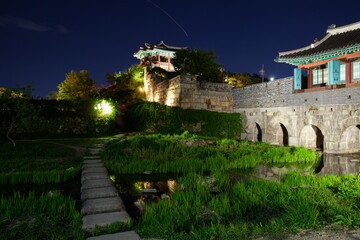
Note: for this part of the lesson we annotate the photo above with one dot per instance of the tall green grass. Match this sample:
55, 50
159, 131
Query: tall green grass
44, 217
191, 153
39, 177
248, 208
38, 162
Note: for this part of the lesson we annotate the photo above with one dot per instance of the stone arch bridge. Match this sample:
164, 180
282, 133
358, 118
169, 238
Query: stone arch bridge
327, 119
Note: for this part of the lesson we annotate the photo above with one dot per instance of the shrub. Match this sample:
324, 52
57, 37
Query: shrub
154, 117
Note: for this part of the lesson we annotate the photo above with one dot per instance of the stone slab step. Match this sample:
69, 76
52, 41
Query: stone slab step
95, 152
93, 176
98, 145
104, 219
92, 161
104, 192
94, 170
130, 235
96, 183
92, 165
102, 205
91, 157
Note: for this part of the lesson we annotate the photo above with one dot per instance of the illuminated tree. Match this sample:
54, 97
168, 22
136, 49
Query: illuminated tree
198, 62
77, 86
238, 79
125, 86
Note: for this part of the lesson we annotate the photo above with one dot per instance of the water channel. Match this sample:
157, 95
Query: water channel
136, 190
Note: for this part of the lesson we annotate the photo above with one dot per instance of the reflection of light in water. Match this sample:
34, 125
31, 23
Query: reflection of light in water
138, 186
148, 185
112, 178
172, 185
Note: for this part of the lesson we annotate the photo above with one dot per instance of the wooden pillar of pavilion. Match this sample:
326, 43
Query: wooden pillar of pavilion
309, 74
348, 72
169, 62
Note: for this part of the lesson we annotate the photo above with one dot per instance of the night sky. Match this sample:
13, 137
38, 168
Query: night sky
42, 40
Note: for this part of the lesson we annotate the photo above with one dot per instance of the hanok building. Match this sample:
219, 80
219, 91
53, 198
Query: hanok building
332, 61
158, 55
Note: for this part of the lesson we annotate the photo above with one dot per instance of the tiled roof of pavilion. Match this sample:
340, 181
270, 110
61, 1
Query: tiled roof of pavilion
337, 42
148, 48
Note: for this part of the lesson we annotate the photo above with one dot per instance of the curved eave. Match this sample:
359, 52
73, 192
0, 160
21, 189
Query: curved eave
153, 52
319, 56
313, 45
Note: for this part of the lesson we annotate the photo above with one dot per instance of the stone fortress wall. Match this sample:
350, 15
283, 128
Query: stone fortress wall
272, 112
327, 119
185, 92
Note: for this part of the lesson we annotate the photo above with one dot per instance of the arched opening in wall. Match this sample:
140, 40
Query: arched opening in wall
312, 137
259, 133
350, 140
285, 135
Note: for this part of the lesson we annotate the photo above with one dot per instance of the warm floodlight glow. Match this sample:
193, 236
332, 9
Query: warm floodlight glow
104, 108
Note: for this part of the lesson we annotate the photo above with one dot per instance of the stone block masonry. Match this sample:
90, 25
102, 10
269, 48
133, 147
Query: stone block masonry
185, 92
328, 119
272, 112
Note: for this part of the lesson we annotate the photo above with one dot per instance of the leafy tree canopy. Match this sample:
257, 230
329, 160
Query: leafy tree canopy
18, 92
198, 62
126, 85
77, 86
242, 79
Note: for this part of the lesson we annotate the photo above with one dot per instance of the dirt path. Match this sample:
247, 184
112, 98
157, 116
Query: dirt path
329, 233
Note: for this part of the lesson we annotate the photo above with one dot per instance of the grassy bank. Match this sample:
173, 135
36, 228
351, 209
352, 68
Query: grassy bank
41, 161
44, 217
246, 209
50, 215
189, 153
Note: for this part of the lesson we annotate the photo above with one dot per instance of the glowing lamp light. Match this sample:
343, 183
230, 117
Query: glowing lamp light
104, 108
272, 79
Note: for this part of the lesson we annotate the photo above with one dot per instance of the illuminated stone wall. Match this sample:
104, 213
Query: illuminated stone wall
185, 92
327, 120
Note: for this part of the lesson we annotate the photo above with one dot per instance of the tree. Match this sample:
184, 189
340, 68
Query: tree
125, 86
238, 79
77, 86
16, 109
243, 79
198, 62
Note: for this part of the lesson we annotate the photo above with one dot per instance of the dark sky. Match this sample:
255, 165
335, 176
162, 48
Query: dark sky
41, 40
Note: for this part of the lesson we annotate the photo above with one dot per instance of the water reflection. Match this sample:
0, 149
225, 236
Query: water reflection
137, 190
339, 164
274, 173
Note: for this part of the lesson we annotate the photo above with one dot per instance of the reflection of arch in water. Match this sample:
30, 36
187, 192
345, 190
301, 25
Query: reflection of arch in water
312, 137
350, 139
282, 135
258, 133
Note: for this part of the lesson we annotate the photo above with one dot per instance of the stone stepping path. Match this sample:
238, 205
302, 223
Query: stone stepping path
101, 204
130, 235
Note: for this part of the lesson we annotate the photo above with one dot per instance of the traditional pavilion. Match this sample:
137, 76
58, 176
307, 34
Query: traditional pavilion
334, 60
158, 55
